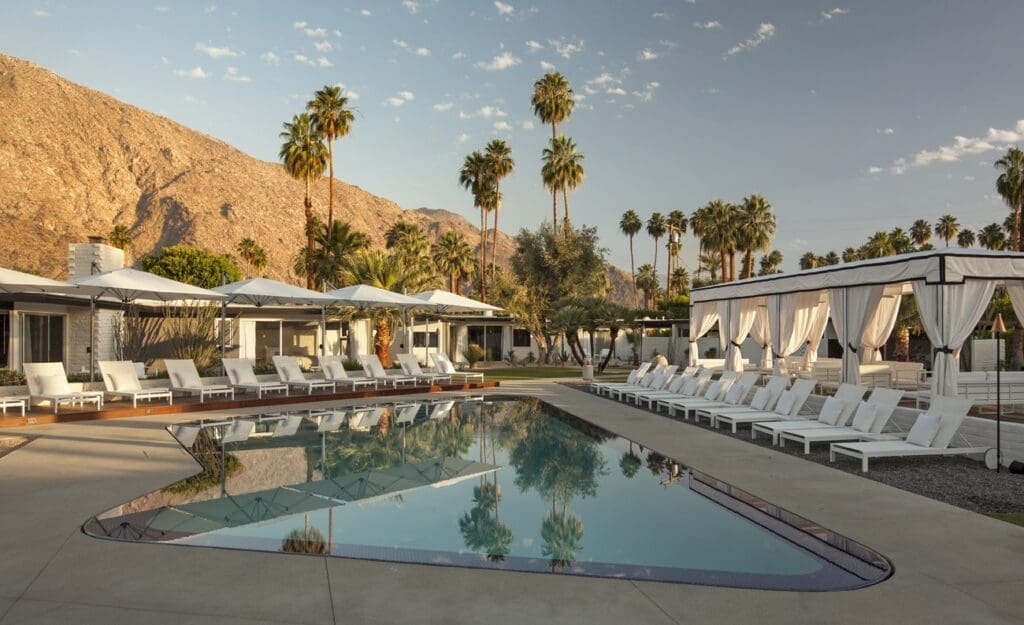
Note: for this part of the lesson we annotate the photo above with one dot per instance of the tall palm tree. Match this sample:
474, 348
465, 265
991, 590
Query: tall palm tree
334, 250
553, 101
851, 255
921, 232
756, 228
121, 238
562, 170
408, 239
716, 225
499, 160
809, 260
770, 263
255, 257
902, 243
708, 261
680, 280
829, 259
966, 238
992, 237
878, 245
332, 120
630, 224
656, 228
946, 228
676, 224
1010, 185
647, 281
305, 158
475, 176
453, 257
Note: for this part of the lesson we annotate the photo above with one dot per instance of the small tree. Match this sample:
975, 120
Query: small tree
192, 265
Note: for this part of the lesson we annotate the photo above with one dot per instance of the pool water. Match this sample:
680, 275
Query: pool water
507, 484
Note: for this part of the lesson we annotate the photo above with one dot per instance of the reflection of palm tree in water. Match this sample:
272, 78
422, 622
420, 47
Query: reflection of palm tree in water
630, 462
308, 540
481, 530
562, 532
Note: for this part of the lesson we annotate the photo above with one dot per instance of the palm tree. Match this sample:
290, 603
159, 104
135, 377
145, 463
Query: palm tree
333, 252
680, 281
676, 224
992, 237
851, 255
552, 102
475, 176
121, 238
716, 225
770, 263
946, 228
453, 257
921, 232
408, 239
562, 170
809, 260
902, 243
499, 160
756, 228
708, 261
255, 257
878, 245
829, 259
1010, 185
966, 238
647, 281
305, 158
332, 120
630, 224
656, 228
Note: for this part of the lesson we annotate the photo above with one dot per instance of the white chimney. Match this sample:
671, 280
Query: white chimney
86, 259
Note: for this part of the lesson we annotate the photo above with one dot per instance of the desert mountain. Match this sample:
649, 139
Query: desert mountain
74, 162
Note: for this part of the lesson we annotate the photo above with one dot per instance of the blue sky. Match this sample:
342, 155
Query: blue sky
848, 117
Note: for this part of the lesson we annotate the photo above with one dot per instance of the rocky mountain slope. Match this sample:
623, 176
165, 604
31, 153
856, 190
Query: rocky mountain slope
74, 162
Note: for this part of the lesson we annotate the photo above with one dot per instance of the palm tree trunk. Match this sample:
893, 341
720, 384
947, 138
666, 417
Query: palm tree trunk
494, 236
310, 243
554, 193
330, 186
668, 273
724, 255
632, 271
732, 265
483, 255
451, 282
655, 265
748, 263
382, 342
565, 204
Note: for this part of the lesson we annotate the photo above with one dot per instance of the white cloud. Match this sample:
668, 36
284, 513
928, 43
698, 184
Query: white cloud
994, 139
161, 9
365, 13
406, 95
41, 13
647, 55
711, 25
486, 112
458, 56
394, 101
659, 15
443, 106
323, 61
401, 98
462, 138
164, 60
798, 244
299, 25
191, 99
578, 97
566, 48
874, 169
969, 178
533, 46
315, 33
616, 91
271, 58
337, 33
73, 51
547, 67
502, 8
885, 131
665, 43
711, 91
836, 12
411, 6
210, 9
214, 52
526, 125
500, 62
422, 52
232, 73
302, 58
764, 32
400, 43
195, 72
603, 79
502, 126
647, 93
323, 46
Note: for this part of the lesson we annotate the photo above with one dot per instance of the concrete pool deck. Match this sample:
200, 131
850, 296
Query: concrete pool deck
951, 565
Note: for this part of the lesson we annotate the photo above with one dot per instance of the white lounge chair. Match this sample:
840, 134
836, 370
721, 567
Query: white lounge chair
445, 366
731, 392
243, 378
835, 412
405, 414
373, 368
47, 381
674, 388
692, 388
764, 398
411, 366
866, 424
441, 409
641, 381
120, 378
930, 436
185, 379
364, 419
289, 372
787, 406
659, 384
633, 377
334, 370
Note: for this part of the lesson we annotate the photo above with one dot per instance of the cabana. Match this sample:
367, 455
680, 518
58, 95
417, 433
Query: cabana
952, 288
446, 302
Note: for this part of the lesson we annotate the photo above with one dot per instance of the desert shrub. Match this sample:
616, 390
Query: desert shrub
10, 377
473, 354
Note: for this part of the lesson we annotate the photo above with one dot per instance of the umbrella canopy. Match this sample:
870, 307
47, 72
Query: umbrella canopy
131, 284
446, 301
12, 281
364, 296
264, 292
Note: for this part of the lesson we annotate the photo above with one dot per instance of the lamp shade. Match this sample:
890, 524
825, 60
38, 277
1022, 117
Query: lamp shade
998, 325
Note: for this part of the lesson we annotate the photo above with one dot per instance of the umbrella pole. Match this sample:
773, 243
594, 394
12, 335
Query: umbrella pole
92, 338
323, 331
223, 335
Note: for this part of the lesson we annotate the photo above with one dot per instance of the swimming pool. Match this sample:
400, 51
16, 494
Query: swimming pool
505, 483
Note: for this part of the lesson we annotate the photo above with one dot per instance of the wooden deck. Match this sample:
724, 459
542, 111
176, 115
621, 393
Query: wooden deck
182, 404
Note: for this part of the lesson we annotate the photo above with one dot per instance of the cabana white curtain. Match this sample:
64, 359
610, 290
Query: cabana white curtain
949, 313
703, 317
1016, 292
852, 309
760, 331
817, 331
790, 318
740, 316
880, 325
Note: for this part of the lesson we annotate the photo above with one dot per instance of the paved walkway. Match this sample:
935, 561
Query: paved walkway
952, 566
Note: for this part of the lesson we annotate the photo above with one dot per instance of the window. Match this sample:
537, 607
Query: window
5, 339
520, 338
268, 340
43, 338
298, 338
419, 339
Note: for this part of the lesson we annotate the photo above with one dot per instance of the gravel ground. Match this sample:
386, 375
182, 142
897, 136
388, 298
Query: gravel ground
958, 481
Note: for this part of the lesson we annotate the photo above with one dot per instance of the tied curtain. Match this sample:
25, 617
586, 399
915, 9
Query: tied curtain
703, 317
790, 318
949, 313
817, 331
739, 317
853, 308
881, 324
760, 331
1016, 292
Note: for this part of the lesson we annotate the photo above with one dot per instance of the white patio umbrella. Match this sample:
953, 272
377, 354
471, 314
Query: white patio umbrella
265, 292
441, 301
363, 297
128, 285
12, 281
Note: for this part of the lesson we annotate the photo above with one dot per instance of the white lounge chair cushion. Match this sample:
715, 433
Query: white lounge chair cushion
864, 418
924, 430
53, 385
761, 398
736, 394
691, 386
631, 378
714, 391
831, 411
246, 376
292, 373
785, 403
334, 370
124, 381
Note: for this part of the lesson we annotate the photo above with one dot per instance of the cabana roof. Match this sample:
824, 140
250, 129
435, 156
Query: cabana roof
941, 266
